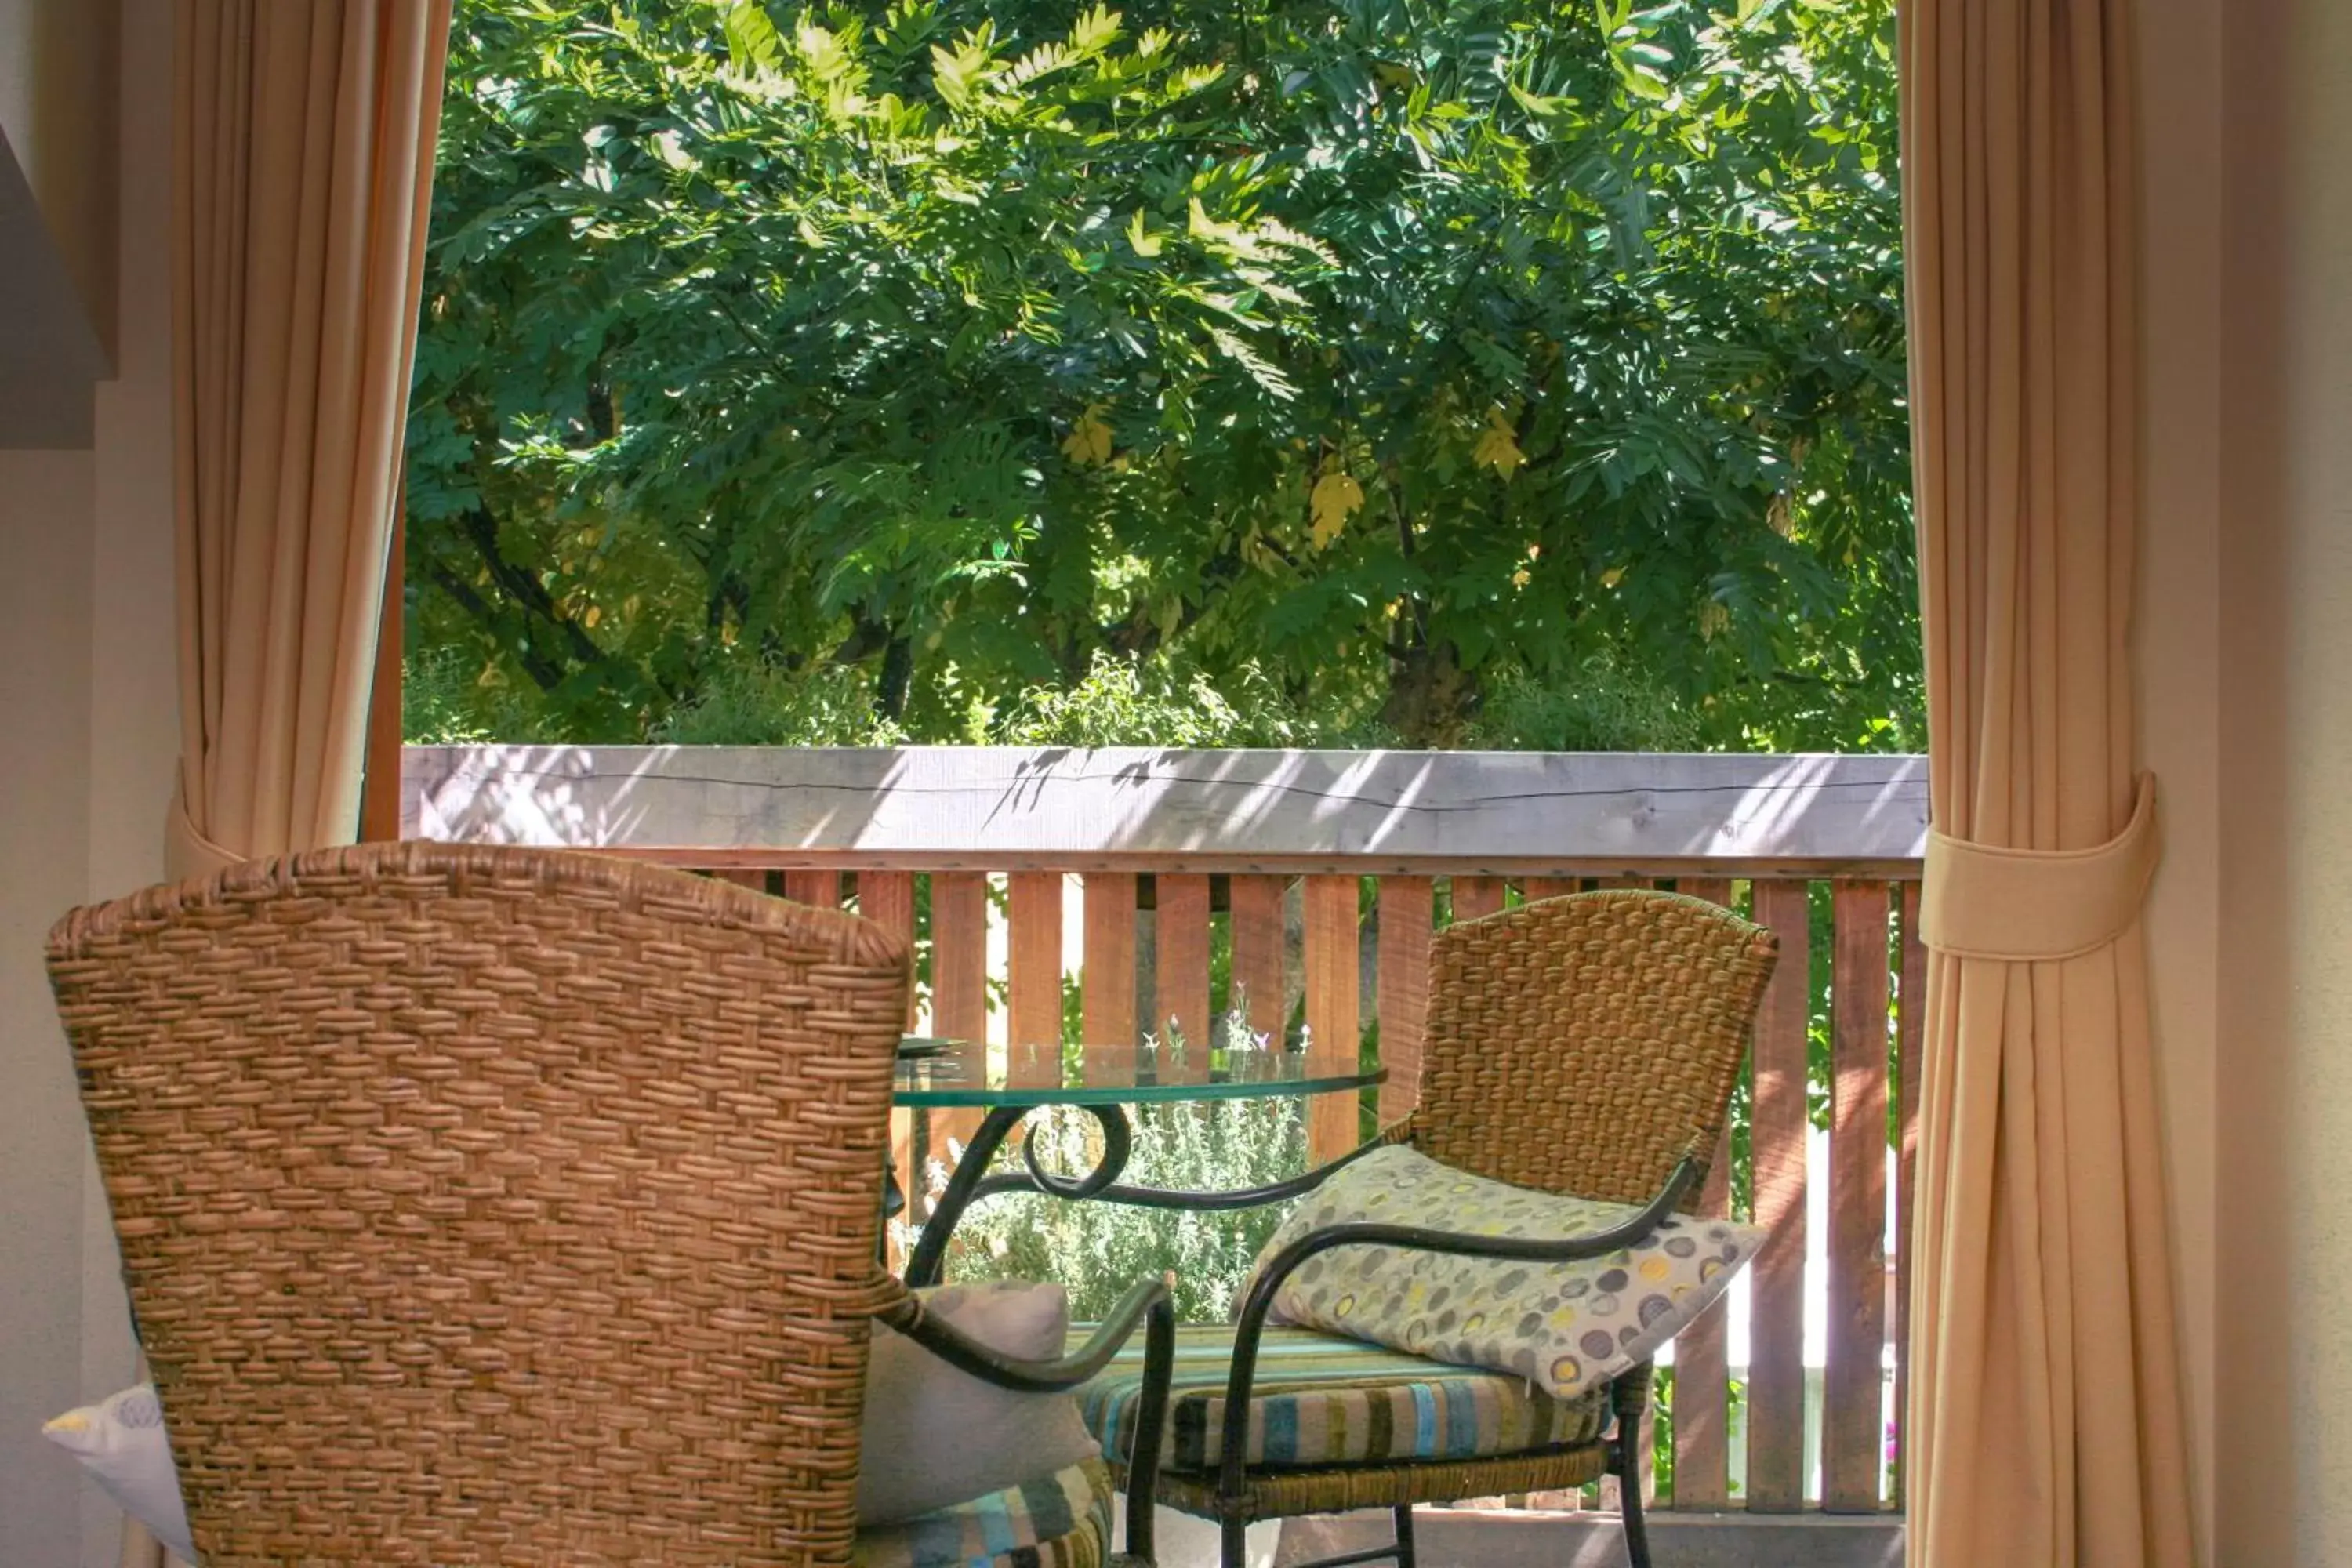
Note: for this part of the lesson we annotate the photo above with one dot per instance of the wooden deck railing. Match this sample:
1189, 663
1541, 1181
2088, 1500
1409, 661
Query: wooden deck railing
1311, 881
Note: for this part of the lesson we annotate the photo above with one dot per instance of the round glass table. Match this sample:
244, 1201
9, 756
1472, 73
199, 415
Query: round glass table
1011, 1081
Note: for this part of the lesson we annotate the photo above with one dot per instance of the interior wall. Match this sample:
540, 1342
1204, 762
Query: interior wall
134, 739
46, 500
88, 700
57, 109
2284, 1105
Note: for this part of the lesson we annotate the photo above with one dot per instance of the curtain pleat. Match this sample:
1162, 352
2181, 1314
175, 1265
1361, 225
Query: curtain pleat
2045, 1425
303, 167
305, 159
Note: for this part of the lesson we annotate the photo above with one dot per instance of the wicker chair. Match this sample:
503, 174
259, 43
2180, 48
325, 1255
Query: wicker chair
486, 1205
1586, 1046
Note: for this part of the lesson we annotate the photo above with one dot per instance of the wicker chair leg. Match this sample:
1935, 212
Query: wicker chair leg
1629, 1396
1233, 1536
1404, 1535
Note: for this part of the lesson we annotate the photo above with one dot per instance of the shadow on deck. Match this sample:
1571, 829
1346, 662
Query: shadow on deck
1478, 1538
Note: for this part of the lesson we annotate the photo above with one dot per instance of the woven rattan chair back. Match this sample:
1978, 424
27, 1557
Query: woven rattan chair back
1584, 1044
494, 1205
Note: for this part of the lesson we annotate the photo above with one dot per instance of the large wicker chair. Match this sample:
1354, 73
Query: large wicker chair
1586, 1046
483, 1204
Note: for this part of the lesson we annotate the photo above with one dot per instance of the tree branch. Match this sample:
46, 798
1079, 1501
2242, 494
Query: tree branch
897, 678
543, 671
867, 637
525, 589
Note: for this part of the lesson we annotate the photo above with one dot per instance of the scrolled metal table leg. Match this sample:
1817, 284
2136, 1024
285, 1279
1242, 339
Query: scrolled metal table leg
931, 1246
1118, 1141
971, 1180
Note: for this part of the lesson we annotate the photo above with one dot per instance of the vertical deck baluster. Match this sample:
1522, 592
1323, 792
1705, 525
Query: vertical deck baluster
1645, 1446
1701, 1410
1408, 905
1911, 1030
959, 982
1106, 988
1776, 1372
887, 898
1533, 887
1853, 1383
1183, 989
1034, 977
1475, 896
820, 889
1259, 962
1332, 978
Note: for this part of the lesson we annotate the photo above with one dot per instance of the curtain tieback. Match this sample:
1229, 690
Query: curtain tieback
2024, 906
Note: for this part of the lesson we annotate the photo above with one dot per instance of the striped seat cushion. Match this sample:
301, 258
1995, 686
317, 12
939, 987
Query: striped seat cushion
1323, 1400
1061, 1521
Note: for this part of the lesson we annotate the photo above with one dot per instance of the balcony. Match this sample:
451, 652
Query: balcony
1152, 883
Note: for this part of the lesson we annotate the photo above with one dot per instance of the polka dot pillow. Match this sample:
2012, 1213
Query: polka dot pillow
1566, 1327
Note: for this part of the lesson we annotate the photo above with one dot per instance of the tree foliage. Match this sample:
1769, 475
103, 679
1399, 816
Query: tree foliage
1388, 366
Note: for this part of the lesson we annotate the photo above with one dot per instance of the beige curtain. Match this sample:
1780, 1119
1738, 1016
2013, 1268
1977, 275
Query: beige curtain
304, 168
2045, 1412
305, 164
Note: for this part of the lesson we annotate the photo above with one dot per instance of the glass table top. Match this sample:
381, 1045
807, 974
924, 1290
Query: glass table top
970, 1072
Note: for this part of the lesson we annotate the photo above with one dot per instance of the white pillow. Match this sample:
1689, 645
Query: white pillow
121, 1439
932, 1437
935, 1436
1564, 1326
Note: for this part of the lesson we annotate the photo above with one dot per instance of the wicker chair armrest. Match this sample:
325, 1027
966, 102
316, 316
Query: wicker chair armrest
1256, 1308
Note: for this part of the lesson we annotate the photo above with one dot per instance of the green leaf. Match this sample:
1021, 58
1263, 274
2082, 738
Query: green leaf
752, 43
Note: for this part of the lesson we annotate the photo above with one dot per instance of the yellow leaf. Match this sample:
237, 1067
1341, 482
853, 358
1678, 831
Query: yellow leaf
1498, 445
595, 615
1611, 577
1335, 497
1146, 244
1713, 618
1089, 440
1519, 578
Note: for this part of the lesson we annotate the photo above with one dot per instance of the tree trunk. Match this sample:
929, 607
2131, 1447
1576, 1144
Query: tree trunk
1431, 696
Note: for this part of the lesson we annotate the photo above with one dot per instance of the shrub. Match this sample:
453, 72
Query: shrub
1600, 706
758, 702
1156, 702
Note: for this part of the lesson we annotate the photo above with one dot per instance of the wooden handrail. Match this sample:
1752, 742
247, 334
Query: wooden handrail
937, 808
